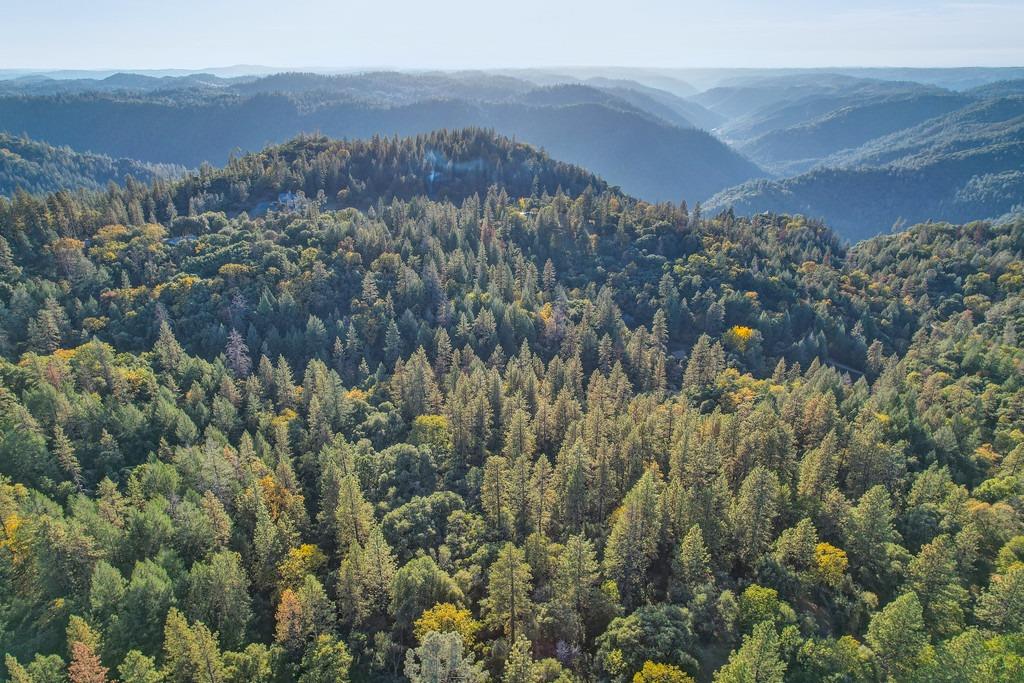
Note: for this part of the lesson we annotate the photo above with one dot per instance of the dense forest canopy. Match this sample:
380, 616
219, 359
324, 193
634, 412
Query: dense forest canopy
445, 409
36, 167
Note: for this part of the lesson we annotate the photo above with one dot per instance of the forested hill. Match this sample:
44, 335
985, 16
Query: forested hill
639, 151
34, 166
319, 172
956, 167
502, 422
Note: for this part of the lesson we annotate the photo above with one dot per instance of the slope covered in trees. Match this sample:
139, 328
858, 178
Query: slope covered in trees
957, 167
34, 166
502, 422
797, 148
761, 107
628, 138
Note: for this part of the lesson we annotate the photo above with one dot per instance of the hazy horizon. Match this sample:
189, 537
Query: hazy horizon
456, 34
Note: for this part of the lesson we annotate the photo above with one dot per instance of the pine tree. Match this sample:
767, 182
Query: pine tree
869, 532
85, 665
818, 471
1001, 606
442, 658
44, 332
519, 663
692, 567
8, 269
167, 348
548, 278
897, 635
377, 572
327, 660
757, 660
237, 354
392, 342
80, 631
64, 451
218, 594
633, 541
933, 576
353, 515
138, 668
574, 584
415, 387
303, 614
542, 494
284, 384
508, 607
17, 672
191, 654
753, 514
519, 437
494, 495
442, 352
706, 361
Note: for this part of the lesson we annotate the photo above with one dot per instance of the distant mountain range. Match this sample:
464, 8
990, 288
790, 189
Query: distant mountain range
964, 165
645, 145
863, 149
797, 148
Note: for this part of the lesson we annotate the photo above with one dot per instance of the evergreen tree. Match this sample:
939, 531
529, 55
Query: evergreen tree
508, 607
64, 451
633, 541
757, 660
326, 661
753, 514
575, 587
896, 635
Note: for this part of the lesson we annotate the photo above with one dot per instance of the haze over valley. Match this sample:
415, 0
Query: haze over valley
861, 149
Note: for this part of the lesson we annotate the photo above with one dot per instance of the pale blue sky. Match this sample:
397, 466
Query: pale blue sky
140, 34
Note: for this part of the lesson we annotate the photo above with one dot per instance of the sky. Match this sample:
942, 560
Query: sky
446, 34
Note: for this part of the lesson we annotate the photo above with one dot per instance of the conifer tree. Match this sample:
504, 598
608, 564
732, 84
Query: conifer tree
753, 513
237, 354
508, 607
64, 451
757, 660
692, 567
85, 666
896, 634
633, 541
494, 494
575, 583
442, 658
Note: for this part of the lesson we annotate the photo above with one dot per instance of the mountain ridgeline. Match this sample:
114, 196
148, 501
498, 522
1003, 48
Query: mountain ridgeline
863, 150
958, 166
631, 147
443, 408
